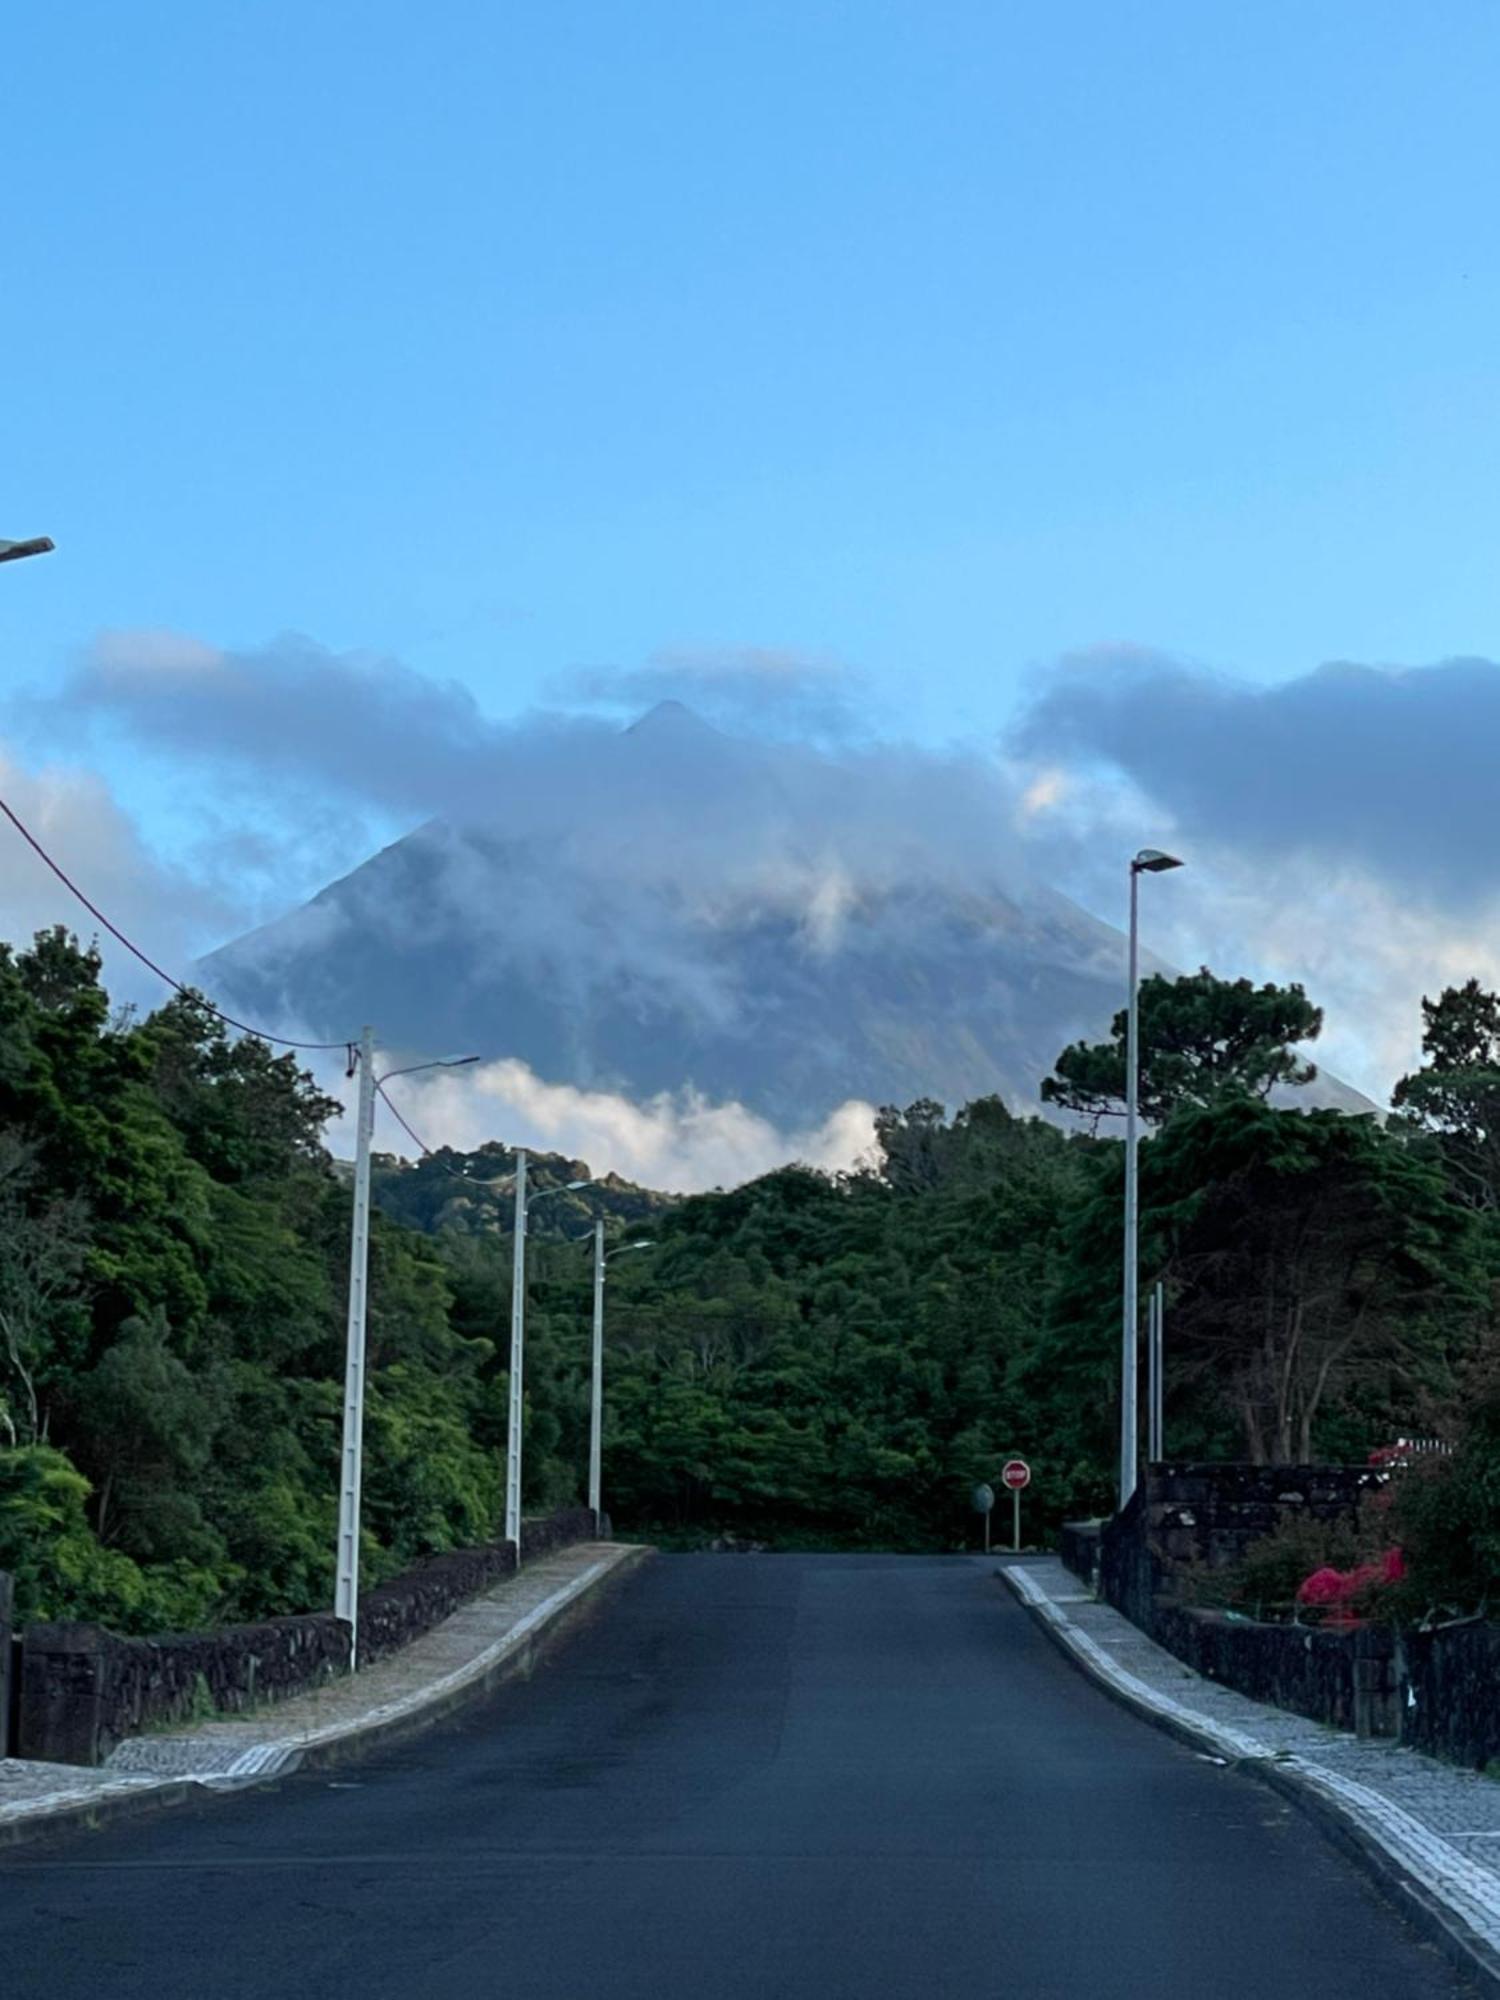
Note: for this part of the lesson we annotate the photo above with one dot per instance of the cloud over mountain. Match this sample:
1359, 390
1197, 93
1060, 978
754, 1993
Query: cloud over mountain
1386, 769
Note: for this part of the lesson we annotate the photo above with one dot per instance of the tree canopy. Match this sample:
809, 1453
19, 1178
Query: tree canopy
1200, 1038
812, 1358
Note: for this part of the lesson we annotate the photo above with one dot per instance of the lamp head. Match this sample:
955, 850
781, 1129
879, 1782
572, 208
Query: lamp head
1151, 861
38, 545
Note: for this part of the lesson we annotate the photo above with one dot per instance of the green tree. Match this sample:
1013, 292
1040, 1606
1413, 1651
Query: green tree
1201, 1038
1456, 1092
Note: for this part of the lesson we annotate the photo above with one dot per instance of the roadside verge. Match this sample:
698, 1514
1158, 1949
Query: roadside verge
486, 1641
1401, 1814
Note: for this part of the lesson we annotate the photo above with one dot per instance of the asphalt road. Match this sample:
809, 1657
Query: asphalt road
838, 1777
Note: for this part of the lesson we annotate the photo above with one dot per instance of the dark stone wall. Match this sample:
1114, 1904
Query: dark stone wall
7, 1598
1078, 1545
1346, 1678
1130, 1572
84, 1689
1450, 1694
1208, 1515
395, 1613
1211, 1513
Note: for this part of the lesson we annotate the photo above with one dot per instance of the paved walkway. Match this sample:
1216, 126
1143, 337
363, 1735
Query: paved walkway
1438, 1824
475, 1644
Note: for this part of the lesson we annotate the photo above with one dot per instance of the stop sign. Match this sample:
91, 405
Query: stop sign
1015, 1473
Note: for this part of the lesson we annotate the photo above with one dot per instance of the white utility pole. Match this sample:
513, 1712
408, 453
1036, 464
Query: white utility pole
517, 1364
596, 1389
596, 1393
1148, 862
351, 1463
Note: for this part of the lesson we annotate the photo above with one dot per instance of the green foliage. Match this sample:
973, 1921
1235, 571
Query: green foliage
1447, 1511
1265, 1580
1456, 1093
807, 1360
173, 1267
1200, 1038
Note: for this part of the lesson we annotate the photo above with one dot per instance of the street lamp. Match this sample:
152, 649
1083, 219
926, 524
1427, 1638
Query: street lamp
351, 1464
39, 545
596, 1391
518, 1349
1150, 861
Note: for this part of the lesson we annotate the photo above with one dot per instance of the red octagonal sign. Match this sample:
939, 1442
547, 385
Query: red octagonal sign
1015, 1473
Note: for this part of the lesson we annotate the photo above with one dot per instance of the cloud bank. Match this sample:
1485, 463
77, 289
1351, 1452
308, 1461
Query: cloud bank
676, 1141
1338, 827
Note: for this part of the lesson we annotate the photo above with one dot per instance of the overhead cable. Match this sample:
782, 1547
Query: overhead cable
281, 1041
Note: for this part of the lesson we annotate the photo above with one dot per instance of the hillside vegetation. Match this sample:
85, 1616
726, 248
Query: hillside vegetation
806, 1359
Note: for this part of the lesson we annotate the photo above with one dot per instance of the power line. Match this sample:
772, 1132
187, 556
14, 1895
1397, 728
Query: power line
281, 1041
416, 1139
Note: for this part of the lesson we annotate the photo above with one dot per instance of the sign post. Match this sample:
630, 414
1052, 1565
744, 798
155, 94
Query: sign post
1015, 1473
984, 1501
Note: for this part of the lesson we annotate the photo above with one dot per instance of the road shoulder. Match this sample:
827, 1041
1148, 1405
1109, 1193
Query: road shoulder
1428, 1831
494, 1636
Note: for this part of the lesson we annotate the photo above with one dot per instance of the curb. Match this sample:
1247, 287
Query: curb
1444, 1925
516, 1654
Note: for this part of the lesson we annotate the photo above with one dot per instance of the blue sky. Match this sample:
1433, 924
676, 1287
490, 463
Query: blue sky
1018, 360
940, 339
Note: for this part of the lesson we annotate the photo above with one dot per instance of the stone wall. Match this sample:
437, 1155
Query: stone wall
1345, 1678
85, 1689
1450, 1691
395, 1613
1211, 1513
6, 1600
1078, 1545
1355, 1679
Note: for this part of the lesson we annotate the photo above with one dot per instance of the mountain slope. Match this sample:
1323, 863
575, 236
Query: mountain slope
753, 924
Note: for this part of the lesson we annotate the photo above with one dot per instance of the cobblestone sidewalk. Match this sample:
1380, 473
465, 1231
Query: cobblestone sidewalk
1436, 1826
479, 1642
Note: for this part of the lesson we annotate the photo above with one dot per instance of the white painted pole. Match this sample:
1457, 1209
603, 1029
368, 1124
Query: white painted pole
596, 1392
517, 1365
351, 1463
1159, 1296
1130, 1332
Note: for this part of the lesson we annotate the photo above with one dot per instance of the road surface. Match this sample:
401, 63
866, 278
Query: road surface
786, 1777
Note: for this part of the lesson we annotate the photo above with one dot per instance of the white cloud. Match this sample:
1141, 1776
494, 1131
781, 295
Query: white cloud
677, 1141
75, 817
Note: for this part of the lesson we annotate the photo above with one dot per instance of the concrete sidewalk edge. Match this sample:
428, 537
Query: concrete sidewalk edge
1318, 1794
515, 1653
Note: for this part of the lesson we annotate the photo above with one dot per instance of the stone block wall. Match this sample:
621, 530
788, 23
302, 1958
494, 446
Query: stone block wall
85, 1689
1450, 1692
1211, 1513
1207, 1515
7, 1598
1078, 1545
1345, 1678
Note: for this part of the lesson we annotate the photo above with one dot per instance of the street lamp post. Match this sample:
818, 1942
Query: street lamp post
518, 1349
351, 1461
596, 1391
39, 545
1150, 861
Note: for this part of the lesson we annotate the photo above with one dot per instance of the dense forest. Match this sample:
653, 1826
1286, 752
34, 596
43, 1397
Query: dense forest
808, 1359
